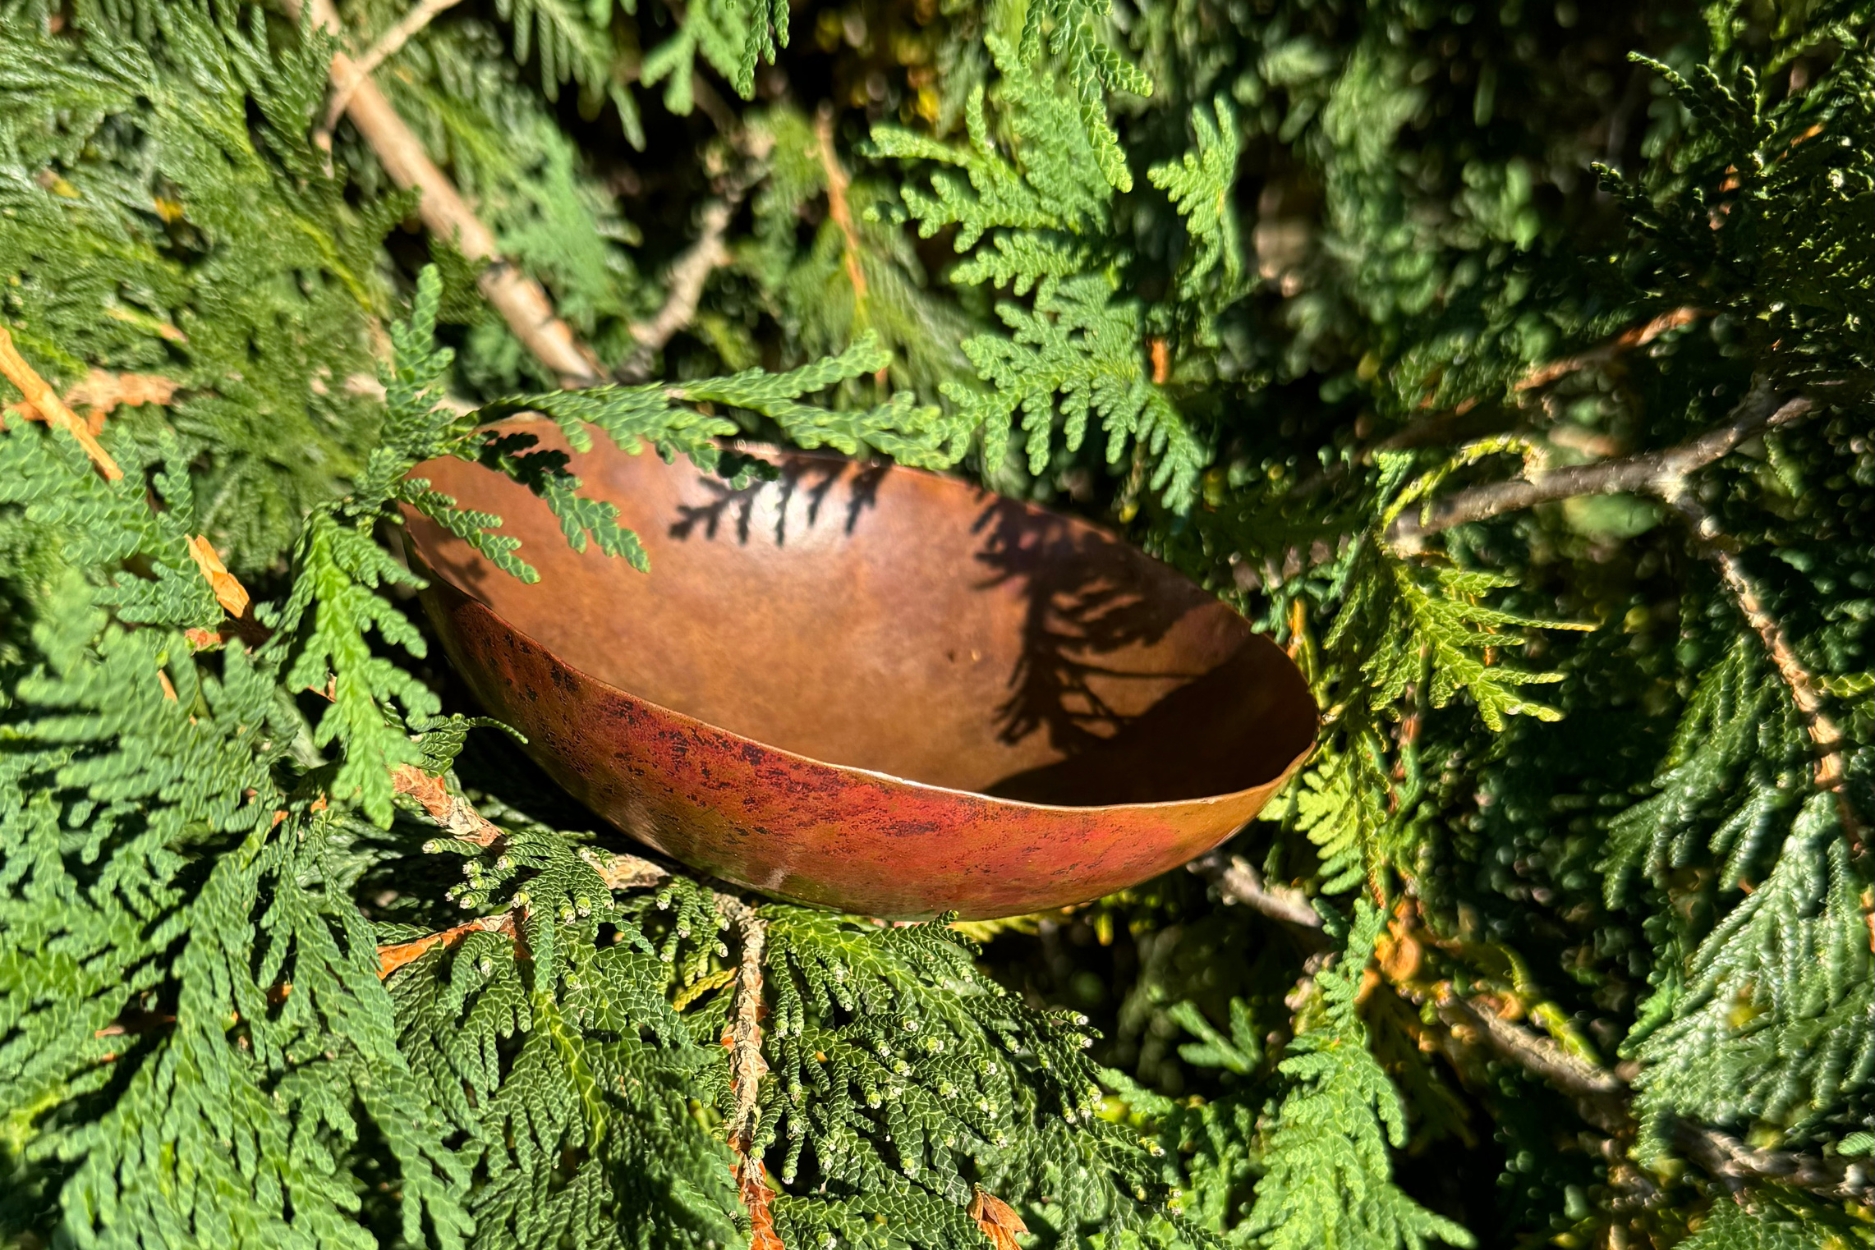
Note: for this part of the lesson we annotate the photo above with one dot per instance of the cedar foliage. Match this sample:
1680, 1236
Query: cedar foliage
1563, 935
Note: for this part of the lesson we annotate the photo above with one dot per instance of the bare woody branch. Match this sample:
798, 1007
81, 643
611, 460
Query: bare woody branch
1659, 473
685, 280
684, 285
1238, 881
102, 392
520, 300
1732, 1161
743, 1034
455, 814
1601, 1096
1825, 735
625, 872
1663, 475
388, 45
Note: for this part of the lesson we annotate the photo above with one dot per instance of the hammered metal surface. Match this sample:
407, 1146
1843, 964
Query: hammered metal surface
870, 688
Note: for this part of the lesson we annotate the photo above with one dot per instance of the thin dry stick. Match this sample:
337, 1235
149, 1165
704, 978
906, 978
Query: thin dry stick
459, 819
743, 1036
387, 46
47, 403
520, 300
1600, 1095
1659, 473
1438, 425
1639, 336
837, 206
625, 872
743, 1039
1732, 1161
103, 391
1237, 881
691, 272
684, 284
1825, 735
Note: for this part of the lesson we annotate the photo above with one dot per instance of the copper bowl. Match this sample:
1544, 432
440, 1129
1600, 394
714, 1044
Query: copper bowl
866, 687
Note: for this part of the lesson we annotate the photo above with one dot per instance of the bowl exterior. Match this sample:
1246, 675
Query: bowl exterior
800, 829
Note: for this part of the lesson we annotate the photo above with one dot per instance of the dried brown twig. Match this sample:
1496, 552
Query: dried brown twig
1627, 340
459, 819
522, 302
395, 955
1238, 881
684, 289
1439, 425
455, 814
689, 274
46, 403
102, 392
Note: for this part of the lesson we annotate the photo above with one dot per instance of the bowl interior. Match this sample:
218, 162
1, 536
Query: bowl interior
896, 621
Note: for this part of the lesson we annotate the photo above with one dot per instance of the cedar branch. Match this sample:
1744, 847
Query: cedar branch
459, 819
1663, 474
521, 301
1660, 473
1599, 1093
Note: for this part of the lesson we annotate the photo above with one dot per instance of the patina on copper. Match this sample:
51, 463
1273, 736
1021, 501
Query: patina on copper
868, 687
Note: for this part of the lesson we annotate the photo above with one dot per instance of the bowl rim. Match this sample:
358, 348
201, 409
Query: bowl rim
414, 554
